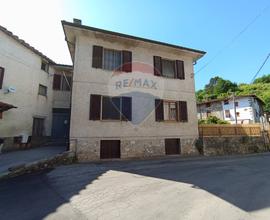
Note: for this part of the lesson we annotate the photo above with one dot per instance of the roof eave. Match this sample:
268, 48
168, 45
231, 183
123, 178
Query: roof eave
199, 52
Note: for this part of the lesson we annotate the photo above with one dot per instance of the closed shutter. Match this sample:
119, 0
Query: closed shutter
97, 57
95, 101
182, 112
126, 109
159, 110
56, 82
157, 66
180, 69
126, 61
2, 70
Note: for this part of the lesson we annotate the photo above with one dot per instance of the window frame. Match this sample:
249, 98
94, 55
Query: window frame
46, 89
229, 115
62, 80
46, 69
101, 108
169, 102
121, 59
174, 68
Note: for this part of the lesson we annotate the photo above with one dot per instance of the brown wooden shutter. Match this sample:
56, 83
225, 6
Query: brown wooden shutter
182, 111
159, 110
157, 66
126, 61
126, 111
180, 69
97, 57
95, 103
2, 71
56, 82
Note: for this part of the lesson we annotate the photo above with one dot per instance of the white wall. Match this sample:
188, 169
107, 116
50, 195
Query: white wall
23, 71
245, 107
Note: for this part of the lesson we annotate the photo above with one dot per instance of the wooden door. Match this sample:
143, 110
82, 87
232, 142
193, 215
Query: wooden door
172, 146
38, 127
109, 149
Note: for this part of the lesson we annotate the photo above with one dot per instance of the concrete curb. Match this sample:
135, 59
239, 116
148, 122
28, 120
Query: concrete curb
59, 159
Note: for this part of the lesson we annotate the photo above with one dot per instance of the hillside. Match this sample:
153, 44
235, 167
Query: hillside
220, 88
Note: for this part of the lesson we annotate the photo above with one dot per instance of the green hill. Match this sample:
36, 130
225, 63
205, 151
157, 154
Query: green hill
221, 88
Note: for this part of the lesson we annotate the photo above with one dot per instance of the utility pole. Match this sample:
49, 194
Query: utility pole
235, 115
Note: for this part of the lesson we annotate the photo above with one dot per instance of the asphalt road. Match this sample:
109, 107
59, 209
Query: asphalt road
16, 158
217, 188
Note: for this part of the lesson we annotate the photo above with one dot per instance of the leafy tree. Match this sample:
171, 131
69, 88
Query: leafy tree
263, 79
216, 88
221, 88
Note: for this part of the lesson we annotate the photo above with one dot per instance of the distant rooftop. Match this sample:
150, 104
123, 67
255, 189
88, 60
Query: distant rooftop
228, 98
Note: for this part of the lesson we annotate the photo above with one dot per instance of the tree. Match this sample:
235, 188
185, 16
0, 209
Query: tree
216, 88
263, 79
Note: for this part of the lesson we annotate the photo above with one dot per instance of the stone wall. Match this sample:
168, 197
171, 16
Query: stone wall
89, 149
233, 145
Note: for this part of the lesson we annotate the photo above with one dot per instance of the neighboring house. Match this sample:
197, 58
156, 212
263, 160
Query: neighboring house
27, 98
131, 97
249, 109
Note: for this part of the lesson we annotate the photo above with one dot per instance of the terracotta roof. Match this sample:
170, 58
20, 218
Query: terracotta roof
130, 37
22, 42
5, 106
227, 98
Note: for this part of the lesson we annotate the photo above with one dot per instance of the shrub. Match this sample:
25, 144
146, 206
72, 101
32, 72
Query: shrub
212, 120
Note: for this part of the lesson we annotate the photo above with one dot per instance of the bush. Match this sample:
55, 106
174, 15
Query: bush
212, 120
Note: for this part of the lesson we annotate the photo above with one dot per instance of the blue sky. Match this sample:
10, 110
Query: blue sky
203, 24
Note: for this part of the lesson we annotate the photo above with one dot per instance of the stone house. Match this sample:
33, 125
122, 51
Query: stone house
29, 96
248, 109
131, 97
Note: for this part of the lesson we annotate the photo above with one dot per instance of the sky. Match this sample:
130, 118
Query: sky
235, 34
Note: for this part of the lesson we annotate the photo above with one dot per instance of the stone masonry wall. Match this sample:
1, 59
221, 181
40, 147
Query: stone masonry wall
89, 149
233, 145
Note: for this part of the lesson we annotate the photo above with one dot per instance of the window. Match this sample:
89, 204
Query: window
42, 90
38, 127
168, 67
227, 114
110, 108
208, 113
170, 111
61, 82
226, 102
112, 59
45, 66
2, 70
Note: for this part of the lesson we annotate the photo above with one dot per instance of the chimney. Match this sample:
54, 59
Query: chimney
77, 21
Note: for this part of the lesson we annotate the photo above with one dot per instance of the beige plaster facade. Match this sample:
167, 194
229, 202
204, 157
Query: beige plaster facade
23, 74
140, 140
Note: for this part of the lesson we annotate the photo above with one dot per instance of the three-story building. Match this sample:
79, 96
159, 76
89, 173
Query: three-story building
131, 97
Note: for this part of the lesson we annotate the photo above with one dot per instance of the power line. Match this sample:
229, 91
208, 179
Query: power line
256, 74
233, 39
